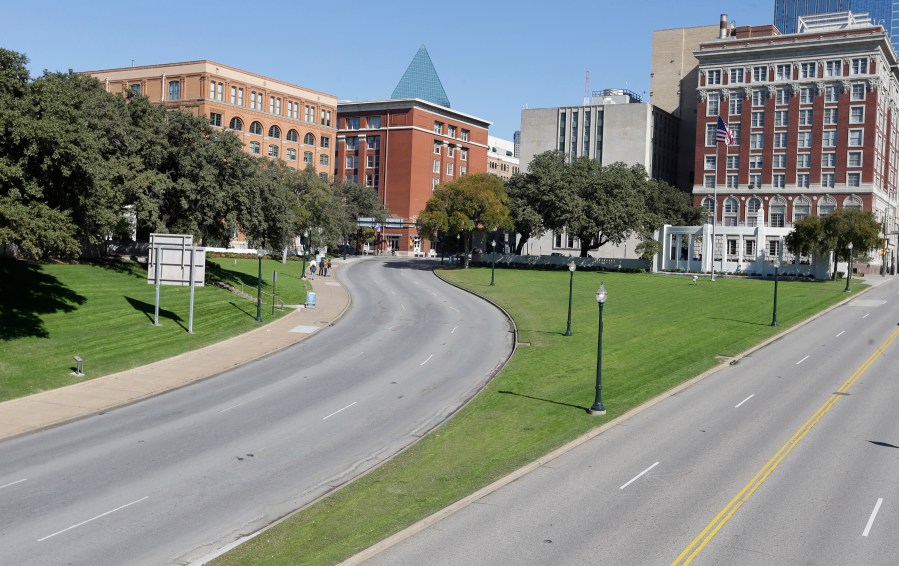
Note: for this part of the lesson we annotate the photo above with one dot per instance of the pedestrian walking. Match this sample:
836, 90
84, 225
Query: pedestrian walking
312, 270
328, 268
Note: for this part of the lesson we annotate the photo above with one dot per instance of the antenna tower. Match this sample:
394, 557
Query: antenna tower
587, 89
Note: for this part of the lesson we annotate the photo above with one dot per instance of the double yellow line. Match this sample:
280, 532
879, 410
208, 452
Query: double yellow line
703, 538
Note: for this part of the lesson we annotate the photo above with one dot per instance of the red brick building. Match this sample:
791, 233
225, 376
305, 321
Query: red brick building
404, 148
815, 120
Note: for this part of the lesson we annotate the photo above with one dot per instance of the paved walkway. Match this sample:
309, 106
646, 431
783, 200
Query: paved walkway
51, 408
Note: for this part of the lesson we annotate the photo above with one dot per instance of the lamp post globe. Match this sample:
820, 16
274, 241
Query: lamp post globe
493, 263
598, 408
259, 253
571, 268
849, 268
776, 268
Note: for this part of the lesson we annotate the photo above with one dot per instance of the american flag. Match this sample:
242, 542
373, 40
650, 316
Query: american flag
724, 134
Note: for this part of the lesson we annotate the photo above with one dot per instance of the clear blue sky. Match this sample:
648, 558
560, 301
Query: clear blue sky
494, 57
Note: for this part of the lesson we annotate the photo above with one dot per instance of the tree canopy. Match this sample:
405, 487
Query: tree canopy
833, 233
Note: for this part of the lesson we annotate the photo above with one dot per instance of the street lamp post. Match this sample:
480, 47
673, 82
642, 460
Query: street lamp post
571, 268
305, 253
849, 268
259, 253
776, 267
493, 264
598, 408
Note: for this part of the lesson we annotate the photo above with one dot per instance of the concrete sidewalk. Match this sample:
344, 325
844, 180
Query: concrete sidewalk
51, 408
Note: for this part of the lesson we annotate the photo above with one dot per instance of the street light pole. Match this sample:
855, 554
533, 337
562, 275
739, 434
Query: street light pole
849, 268
305, 253
776, 267
598, 408
259, 253
571, 268
493, 264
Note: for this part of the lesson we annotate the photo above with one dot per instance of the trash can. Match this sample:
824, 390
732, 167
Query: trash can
310, 299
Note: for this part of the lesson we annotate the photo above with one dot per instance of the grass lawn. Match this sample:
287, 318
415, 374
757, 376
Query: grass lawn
658, 331
104, 313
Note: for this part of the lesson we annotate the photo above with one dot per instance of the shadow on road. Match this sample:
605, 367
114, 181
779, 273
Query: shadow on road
419, 264
884, 444
585, 409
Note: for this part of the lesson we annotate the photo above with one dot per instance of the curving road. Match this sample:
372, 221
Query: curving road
174, 478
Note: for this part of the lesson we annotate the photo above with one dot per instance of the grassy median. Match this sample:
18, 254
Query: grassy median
658, 332
104, 313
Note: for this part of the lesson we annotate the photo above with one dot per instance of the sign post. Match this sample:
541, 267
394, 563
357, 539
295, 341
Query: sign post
174, 261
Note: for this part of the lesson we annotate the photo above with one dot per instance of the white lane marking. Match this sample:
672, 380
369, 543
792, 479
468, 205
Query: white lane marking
402, 305
427, 360
455, 309
840, 334
239, 404
433, 293
454, 329
394, 292
356, 356
737, 406
343, 409
803, 359
638, 476
93, 518
13, 483
867, 315
872, 517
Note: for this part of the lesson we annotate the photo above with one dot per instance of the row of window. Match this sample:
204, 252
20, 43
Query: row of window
784, 71
257, 102
779, 160
803, 139
779, 180
773, 248
355, 122
290, 153
450, 150
371, 161
450, 167
372, 142
236, 124
450, 131
781, 97
777, 209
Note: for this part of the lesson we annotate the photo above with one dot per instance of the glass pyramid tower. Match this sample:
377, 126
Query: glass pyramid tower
421, 81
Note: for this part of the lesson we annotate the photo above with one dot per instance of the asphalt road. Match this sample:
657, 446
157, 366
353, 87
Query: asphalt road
172, 479
788, 457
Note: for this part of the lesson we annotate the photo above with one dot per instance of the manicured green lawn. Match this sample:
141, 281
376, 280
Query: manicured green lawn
48, 313
658, 331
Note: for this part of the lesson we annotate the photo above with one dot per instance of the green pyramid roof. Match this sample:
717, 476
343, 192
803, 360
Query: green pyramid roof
421, 81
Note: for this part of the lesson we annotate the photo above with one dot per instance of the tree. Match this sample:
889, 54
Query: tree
524, 202
465, 205
833, 233
359, 202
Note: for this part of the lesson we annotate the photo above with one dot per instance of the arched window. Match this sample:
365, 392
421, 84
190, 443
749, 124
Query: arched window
274, 132
236, 124
309, 139
255, 148
826, 205
752, 211
802, 208
709, 205
853, 201
293, 136
731, 211
777, 212
256, 128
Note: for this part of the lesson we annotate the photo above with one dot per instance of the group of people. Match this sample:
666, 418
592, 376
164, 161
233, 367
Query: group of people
320, 265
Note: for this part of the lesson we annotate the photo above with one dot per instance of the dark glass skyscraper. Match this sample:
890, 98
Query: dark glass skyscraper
882, 12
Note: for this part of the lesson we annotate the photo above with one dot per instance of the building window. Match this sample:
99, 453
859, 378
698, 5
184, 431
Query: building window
732, 181
752, 210
438, 127
463, 154
278, 106
830, 116
829, 159
755, 181
708, 181
451, 131
135, 88
833, 68
736, 75
449, 169
802, 180
240, 97
323, 176
755, 161
855, 159
736, 103
804, 139
211, 90
826, 205
328, 119
804, 160
309, 113
831, 94
255, 148
731, 212
806, 95
291, 154
758, 119
781, 117
779, 161
711, 134
174, 90
733, 161
352, 162
352, 123
437, 146
309, 139
805, 117
273, 151
735, 132
274, 132
827, 180
760, 73
307, 157
236, 124
783, 72
756, 141
858, 91
853, 179
253, 100
776, 216
374, 122
853, 202
215, 119
256, 128
855, 137
780, 139
372, 161
709, 205
325, 142
774, 246
779, 180
352, 143
463, 170
710, 163
293, 136
807, 70
758, 97
781, 96
711, 105
713, 77
465, 134
324, 159
829, 138
859, 66
451, 151
857, 115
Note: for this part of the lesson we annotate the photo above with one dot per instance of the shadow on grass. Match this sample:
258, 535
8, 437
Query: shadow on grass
245, 311
579, 407
27, 293
749, 322
124, 267
149, 310
236, 278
